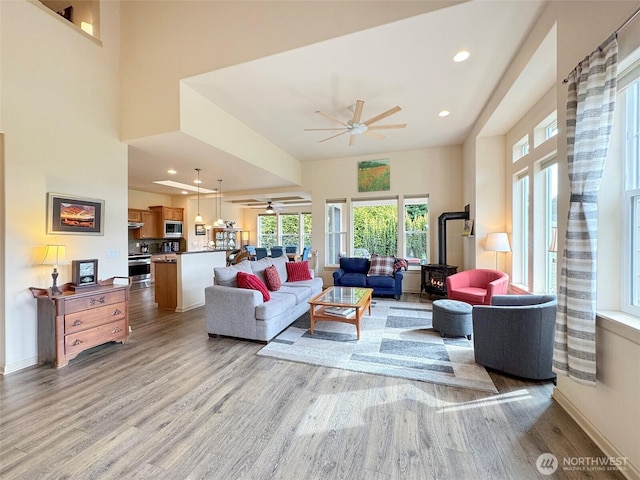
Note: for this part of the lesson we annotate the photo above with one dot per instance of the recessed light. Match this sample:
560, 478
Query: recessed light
184, 192
171, 171
461, 56
197, 181
444, 113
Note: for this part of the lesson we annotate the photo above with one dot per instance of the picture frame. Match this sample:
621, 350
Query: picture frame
468, 228
84, 273
201, 230
73, 215
374, 175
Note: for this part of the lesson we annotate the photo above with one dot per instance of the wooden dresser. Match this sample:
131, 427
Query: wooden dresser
81, 319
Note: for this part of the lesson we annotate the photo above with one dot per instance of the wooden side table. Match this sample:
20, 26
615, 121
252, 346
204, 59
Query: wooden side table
80, 319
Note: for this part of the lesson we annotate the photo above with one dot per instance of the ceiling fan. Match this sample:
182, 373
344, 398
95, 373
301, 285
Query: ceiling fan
354, 127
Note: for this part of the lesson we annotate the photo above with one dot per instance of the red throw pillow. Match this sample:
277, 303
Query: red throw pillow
252, 282
272, 279
298, 271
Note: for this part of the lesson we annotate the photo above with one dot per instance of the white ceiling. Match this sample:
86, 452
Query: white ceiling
406, 63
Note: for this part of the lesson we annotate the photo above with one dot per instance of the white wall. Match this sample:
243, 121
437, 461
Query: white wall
59, 113
435, 172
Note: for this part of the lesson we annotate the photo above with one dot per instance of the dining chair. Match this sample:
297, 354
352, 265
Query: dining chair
277, 251
261, 252
305, 253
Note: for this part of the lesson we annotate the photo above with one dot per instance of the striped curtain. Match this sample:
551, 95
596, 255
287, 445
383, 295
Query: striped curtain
591, 100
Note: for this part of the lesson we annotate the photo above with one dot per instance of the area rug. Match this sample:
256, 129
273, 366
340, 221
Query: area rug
396, 340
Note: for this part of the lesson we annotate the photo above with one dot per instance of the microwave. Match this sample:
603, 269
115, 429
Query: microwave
172, 229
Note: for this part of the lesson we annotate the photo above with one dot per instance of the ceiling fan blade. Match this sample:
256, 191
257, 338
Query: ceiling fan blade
357, 113
334, 136
374, 135
331, 118
380, 127
386, 114
336, 128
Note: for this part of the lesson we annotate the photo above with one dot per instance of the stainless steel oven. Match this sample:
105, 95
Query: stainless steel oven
140, 270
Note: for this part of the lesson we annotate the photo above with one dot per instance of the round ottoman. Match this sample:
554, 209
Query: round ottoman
452, 318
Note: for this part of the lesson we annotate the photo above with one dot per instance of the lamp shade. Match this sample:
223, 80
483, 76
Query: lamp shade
56, 255
497, 242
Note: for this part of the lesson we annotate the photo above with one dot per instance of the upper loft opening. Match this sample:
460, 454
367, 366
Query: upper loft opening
84, 14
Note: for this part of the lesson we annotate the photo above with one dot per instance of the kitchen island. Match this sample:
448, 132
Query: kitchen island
180, 282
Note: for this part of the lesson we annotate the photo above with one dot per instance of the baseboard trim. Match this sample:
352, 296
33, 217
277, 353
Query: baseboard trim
631, 472
21, 365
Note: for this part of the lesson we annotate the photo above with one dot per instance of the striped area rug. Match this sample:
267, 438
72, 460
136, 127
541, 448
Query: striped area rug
395, 340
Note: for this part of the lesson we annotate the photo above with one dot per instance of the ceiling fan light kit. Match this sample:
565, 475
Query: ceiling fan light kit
354, 127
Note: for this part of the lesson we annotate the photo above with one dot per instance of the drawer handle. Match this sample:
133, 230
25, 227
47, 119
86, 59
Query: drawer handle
76, 323
116, 330
94, 300
116, 312
76, 343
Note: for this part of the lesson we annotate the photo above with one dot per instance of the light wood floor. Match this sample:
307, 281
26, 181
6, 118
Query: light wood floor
174, 404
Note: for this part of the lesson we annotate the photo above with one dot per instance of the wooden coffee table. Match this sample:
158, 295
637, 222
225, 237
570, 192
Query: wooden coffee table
354, 297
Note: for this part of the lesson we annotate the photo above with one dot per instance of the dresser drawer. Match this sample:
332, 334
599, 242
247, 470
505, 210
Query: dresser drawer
77, 342
93, 301
76, 322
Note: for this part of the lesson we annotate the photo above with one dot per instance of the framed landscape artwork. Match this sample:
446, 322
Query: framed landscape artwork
71, 215
374, 176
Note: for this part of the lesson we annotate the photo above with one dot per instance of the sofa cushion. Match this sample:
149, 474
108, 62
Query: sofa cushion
281, 266
381, 266
298, 271
227, 275
381, 282
354, 279
259, 266
302, 293
272, 279
280, 304
354, 265
252, 282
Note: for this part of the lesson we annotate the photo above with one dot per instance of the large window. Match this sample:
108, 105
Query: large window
373, 227
631, 258
290, 228
286, 229
520, 245
549, 172
336, 219
267, 230
416, 231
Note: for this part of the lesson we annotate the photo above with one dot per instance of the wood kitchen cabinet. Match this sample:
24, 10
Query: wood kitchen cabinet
169, 213
134, 215
80, 319
172, 257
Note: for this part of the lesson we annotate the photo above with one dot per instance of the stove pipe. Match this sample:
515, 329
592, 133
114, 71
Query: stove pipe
442, 231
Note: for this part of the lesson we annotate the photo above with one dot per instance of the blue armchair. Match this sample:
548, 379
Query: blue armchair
353, 273
515, 335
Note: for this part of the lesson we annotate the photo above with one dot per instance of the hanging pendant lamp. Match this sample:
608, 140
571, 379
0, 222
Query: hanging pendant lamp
220, 221
198, 219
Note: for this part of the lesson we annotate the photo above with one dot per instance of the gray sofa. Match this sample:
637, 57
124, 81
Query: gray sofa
239, 312
515, 335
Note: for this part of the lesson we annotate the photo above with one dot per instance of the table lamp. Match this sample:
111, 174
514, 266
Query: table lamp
56, 255
497, 242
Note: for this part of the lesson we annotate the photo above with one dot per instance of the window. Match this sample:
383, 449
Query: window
306, 229
267, 230
549, 172
521, 230
336, 228
631, 257
551, 130
416, 231
521, 148
290, 228
375, 226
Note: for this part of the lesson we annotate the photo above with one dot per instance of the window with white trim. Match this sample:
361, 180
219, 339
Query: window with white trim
520, 245
336, 227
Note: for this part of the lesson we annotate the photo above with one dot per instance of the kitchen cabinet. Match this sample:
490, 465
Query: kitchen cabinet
80, 319
169, 213
134, 215
150, 227
171, 257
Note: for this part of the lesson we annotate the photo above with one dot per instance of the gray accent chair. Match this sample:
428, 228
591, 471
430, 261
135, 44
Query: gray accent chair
515, 335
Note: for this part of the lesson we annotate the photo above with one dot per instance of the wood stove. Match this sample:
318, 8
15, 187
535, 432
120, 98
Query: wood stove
433, 277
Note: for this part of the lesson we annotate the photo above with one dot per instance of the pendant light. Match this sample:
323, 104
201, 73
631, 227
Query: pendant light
220, 221
198, 219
